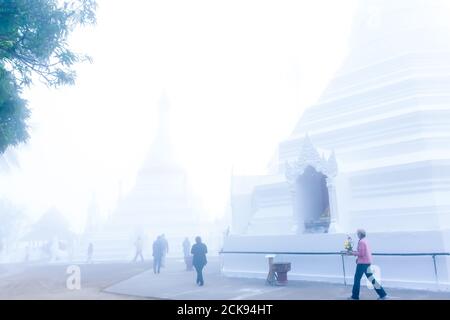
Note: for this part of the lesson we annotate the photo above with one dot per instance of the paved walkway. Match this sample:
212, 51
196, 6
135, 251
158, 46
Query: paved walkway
175, 283
49, 281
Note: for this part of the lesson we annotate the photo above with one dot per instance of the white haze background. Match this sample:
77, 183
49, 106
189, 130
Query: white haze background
238, 75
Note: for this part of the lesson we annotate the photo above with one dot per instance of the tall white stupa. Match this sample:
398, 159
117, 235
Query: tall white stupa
373, 153
159, 203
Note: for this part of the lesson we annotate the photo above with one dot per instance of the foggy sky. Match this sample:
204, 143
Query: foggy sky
238, 75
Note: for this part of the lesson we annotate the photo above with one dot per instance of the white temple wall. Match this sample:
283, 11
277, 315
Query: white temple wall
402, 134
241, 212
343, 199
405, 272
413, 196
409, 198
402, 66
272, 209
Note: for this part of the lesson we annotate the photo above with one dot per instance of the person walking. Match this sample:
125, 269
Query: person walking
157, 255
139, 244
363, 262
90, 252
27, 254
186, 247
199, 251
187, 254
165, 249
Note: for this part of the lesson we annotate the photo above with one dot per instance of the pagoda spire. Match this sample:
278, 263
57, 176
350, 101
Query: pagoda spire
163, 117
161, 153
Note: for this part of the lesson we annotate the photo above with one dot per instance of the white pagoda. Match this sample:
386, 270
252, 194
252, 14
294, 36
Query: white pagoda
373, 153
159, 203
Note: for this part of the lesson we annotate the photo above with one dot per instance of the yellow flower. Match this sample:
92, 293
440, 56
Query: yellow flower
348, 245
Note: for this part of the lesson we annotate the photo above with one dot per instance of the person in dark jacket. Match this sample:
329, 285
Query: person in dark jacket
157, 255
199, 251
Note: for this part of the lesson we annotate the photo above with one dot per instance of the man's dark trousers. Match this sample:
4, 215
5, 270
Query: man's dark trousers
199, 269
156, 264
362, 269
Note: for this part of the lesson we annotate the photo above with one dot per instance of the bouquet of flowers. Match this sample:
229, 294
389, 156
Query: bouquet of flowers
348, 244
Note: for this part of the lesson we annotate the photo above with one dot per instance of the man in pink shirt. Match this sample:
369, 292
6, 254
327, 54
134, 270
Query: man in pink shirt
363, 262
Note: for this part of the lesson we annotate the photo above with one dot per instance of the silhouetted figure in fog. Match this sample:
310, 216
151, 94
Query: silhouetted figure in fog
54, 249
165, 249
157, 254
139, 246
90, 253
27, 254
187, 254
186, 247
46, 251
199, 251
